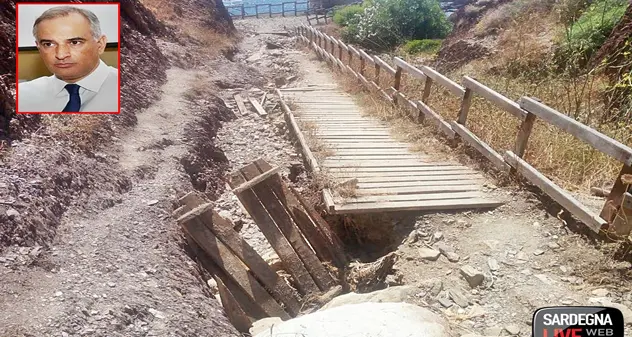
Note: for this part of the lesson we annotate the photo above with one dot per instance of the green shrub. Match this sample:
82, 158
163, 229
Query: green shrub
347, 15
384, 24
590, 31
422, 46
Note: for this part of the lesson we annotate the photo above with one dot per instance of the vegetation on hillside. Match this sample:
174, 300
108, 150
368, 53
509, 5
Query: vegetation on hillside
545, 49
384, 24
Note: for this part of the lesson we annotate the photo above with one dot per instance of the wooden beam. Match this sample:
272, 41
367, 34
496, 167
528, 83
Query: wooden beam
260, 178
223, 230
450, 204
312, 163
240, 104
494, 97
384, 65
482, 147
277, 240
452, 86
411, 70
366, 56
594, 138
328, 199
260, 110
581, 212
288, 227
436, 119
226, 260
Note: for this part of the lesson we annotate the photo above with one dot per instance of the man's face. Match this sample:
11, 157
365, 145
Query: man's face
68, 48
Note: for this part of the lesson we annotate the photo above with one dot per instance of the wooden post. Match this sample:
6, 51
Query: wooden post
377, 73
465, 106
523, 135
243, 12
613, 201
427, 88
295, 10
339, 51
397, 83
257, 11
350, 56
362, 65
283, 9
270, 10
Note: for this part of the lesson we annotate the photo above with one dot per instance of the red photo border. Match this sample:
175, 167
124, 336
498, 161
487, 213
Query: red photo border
17, 58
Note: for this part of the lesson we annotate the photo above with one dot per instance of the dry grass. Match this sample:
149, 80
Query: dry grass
211, 41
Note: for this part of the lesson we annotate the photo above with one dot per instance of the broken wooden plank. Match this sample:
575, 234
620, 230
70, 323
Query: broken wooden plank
251, 309
223, 230
232, 265
236, 315
581, 212
302, 217
260, 110
240, 104
277, 240
250, 183
289, 229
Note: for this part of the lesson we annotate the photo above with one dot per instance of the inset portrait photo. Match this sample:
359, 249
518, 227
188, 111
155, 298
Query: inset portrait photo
67, 58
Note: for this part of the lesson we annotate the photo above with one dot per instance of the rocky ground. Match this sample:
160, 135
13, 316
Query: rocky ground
120, 269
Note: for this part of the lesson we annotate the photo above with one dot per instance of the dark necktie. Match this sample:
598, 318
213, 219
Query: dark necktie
74, 103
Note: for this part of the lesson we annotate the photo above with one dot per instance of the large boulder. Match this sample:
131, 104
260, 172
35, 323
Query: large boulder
364, 320
392, 294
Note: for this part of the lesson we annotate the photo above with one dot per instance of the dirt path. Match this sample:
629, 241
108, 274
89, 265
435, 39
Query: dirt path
120, 272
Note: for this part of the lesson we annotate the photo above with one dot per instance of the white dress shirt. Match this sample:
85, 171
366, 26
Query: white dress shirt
98, 92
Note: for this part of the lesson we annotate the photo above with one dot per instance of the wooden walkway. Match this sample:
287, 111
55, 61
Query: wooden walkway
390, 177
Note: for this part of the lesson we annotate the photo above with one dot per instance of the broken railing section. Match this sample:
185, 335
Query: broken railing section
526, 110
249, 288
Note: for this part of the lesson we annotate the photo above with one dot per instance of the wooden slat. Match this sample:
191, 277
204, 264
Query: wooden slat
594, 138
248, 306
452, 86
417, 189
494, 97
367, 146
465, 180
480, 146
436, 119
260, 110
384, 65
411, 70
367, 152
419, 171
287, 226
419, 167
581, 212
250, 183
440, 176
409, 164
365, 56
303, 218
236, 315
226, 260
240, 104
430, 205
335, 245
223, 230
411, 197
312, 163
277, 240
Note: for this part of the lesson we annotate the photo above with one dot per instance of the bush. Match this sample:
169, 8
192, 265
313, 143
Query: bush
384, 24
590, 31
348, 14
422, 46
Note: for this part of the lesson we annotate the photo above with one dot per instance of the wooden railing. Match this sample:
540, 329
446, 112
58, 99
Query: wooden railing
291, 7
526, 110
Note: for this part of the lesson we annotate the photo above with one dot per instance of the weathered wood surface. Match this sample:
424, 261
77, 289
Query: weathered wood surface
279, 243
594, 138
240, 104
224, 231
274, 207
482, 147
359, 146
260, 110
494, 97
